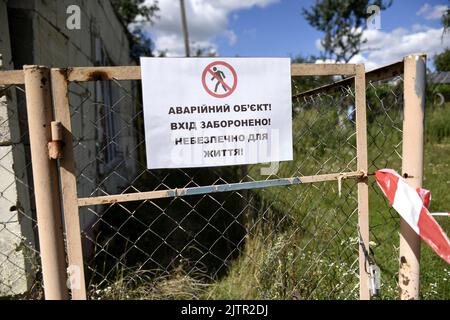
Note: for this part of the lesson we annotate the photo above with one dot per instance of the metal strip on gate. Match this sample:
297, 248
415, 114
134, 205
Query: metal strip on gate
179, 192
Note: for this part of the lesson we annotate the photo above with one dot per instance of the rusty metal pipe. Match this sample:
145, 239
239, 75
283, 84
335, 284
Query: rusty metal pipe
412, 166
45, 178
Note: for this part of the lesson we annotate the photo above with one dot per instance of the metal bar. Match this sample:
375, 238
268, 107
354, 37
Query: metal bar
170, 193
412, 164
363, 187
386, 72
45, 178
322, 69
83, 74
13, 77
69, 187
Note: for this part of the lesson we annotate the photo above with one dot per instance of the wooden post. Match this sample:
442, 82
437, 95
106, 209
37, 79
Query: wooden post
45, 178
412, 165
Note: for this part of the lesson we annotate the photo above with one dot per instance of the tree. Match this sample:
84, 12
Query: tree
204, 52
446, 20
130, 10
342, 21
442, 61
133, 13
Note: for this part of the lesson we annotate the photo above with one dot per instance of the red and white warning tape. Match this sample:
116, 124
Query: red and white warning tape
442, 214
426, 198
412, 205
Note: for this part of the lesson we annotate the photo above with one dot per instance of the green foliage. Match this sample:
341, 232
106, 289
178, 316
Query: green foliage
278, 267
205, 52
442, 61
436, 94
437, 123
141, 45
130, 10
342, 21
446, 20
137, 12
304, 59
301, 242
384, 98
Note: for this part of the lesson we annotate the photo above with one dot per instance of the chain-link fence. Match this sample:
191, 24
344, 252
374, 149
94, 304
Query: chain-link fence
385, 122
295, 242
385, 107
280, 242
19, 253
435, 274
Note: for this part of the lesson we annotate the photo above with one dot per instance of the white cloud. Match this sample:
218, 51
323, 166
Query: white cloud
432, 12
318, 44
387, 47
420, 27
384, 48
231, 36
207, 21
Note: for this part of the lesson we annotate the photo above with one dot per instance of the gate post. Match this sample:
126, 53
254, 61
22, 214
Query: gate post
45, 179
363, 186
69, 191
412, 165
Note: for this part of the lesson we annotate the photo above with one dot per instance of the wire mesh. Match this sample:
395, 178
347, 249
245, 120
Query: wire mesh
435, 273
385, 122
20, 274
290, 242
296, 242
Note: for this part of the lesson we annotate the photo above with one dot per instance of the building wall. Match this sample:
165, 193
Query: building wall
39, 35
17, 235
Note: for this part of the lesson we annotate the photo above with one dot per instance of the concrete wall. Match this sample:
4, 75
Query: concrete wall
44, 39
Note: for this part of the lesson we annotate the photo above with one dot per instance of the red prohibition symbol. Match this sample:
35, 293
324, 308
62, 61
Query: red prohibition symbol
220, 86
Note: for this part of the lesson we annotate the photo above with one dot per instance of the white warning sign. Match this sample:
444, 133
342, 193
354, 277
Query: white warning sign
204, 112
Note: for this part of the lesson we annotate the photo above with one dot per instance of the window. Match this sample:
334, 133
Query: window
108, 115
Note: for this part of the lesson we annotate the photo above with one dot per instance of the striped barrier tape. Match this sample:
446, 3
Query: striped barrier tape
441, 214
412, 205
426, 198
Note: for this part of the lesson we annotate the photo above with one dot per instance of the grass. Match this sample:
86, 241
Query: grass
140, 285
331, 275
301, 241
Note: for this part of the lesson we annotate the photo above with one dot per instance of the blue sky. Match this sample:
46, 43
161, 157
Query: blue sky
277, 28
281, 30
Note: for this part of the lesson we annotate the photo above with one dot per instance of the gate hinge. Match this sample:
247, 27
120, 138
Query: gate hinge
55, 146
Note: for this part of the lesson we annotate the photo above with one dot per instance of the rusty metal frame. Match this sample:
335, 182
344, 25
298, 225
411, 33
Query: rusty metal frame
36, 80
45, 180
386, 72
71, 202
12, 77
69, 186
60, 79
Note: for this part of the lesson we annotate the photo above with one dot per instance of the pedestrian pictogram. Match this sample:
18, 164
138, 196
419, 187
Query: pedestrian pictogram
219, 79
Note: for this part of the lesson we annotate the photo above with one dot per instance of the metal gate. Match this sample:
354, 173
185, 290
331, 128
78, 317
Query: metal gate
197, 225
